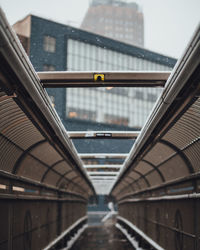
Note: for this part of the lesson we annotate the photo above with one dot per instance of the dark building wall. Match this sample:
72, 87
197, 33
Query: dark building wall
122, 146
60, 101
39, 28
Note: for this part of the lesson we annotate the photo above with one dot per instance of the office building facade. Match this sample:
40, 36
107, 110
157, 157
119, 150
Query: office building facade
54, 46
117, 19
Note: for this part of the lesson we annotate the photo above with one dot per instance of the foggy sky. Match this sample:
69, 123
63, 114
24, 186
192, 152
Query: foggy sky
169, 24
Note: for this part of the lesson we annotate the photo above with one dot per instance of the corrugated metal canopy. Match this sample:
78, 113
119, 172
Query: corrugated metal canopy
168, 148
33, 142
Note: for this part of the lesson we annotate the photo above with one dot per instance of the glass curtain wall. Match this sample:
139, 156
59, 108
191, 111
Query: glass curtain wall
122, 106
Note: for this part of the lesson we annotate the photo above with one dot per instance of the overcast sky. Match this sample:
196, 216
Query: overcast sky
169, 24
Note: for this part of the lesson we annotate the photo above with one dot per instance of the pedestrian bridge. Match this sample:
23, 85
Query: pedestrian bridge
45, 184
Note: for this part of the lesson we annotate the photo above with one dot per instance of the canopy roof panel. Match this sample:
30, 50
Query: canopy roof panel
168, 147
34, 145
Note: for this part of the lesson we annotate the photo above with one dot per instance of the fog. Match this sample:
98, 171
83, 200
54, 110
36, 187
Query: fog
169, 24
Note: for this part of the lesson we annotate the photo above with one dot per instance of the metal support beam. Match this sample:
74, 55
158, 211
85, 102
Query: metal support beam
103, 166
95, 173
103, 134
104, 79
181, 154
24, 154
103, 178
50, 168
155, 168
103, 156
107, 182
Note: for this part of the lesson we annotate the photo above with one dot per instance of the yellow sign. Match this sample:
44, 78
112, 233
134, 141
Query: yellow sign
99, 77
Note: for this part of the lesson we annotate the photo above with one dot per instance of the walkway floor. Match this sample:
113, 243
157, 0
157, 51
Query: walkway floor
104, 237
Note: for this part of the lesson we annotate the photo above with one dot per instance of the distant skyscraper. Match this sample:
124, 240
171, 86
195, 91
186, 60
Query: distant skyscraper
116, 19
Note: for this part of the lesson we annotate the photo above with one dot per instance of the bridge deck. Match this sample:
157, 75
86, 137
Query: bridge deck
102, 237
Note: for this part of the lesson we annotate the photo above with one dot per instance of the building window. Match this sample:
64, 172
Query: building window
139, 95
118, 91
117, 101
49, 44
151, 97
114, 119
81, 114
48, 67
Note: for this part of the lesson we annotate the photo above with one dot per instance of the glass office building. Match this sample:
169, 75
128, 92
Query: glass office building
123, 106
55, 46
